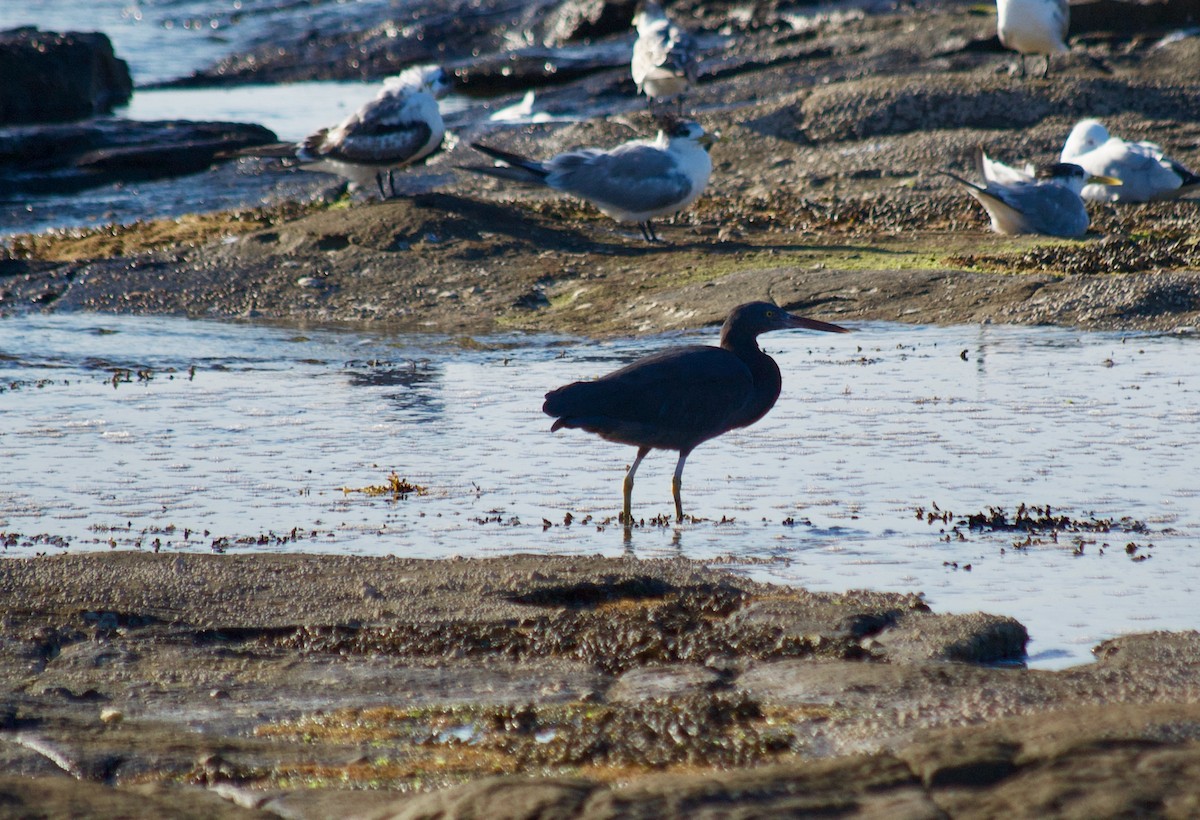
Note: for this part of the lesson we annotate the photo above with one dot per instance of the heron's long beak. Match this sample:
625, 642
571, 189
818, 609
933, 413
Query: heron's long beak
814, 324
708, 140
1104, 181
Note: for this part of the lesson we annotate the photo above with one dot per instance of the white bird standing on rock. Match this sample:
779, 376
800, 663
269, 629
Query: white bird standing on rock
635, 182
1145, 173
1046, 203
1033, 27
664, 55
401, 126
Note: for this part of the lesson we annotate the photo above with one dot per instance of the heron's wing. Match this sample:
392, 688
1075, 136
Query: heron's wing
635, 177
392, 128
676, 399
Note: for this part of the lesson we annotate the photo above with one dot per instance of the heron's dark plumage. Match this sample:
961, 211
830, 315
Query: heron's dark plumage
677, 399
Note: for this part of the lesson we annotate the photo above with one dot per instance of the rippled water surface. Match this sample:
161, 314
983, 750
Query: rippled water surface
173, 434
166, 39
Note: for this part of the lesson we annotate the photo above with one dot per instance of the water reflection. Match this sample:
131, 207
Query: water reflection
235, 437
417, 380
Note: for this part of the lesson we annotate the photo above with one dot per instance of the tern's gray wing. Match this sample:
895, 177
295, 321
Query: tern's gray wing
632, 177
1048, 208
1029, 207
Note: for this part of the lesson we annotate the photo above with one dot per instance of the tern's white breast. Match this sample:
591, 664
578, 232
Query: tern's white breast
1031, 26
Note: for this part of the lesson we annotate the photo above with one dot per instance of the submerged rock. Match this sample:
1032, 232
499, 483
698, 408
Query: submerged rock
50, 77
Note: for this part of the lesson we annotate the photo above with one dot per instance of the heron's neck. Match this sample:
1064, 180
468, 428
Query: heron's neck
767, 379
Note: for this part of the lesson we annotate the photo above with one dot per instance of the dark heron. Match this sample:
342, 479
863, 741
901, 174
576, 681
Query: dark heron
679, 398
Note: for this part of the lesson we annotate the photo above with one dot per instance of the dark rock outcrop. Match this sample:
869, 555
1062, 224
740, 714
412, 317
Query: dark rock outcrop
51, 77
71, 157
573, 21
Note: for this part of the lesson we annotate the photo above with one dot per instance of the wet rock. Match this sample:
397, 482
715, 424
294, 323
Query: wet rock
1115, 16
1032, 766
649, 682
51, 77
67, 797
1160, 648
575, 20
313, 672
539, 66
72, 157
975, 638
826, 621
429, 31
499, 797
879, 106
490, 48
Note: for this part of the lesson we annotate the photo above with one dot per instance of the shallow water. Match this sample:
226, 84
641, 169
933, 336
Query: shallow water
242, 438
166, 39
291, 110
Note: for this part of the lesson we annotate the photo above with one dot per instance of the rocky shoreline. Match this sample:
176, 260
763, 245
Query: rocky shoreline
303, 686
825, 196
534, 686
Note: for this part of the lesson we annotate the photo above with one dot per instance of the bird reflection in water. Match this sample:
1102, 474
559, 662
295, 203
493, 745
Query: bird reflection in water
416, 378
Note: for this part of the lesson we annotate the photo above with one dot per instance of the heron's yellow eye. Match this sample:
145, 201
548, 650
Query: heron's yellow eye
770, 314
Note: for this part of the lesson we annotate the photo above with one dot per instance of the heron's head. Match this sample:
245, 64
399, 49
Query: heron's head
432, 78
1085, 136
753, 318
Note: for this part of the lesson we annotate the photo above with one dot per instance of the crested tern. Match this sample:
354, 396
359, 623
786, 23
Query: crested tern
635, 182
401, 126
1048, 202
1145, 172
1033, 27
664, 61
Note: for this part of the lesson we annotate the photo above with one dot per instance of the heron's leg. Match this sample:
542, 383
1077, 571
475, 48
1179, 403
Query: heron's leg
379, 182
677, 484
645, 231
392, 181
651, 235
627, 486
1046, 70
